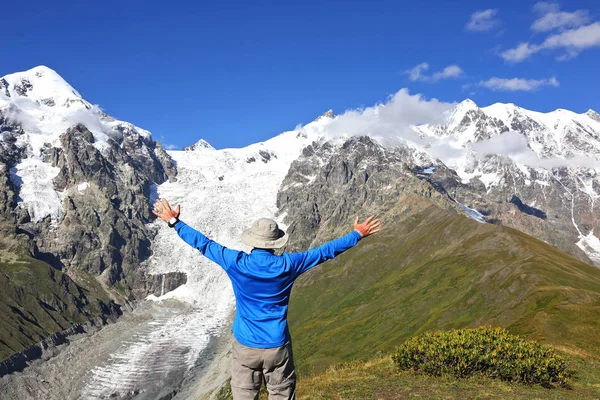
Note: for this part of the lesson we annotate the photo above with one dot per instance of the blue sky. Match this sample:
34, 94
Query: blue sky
235, 73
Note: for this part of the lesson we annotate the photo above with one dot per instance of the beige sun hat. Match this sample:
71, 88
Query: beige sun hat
265, 234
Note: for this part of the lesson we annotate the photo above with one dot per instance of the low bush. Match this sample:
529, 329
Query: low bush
485, 351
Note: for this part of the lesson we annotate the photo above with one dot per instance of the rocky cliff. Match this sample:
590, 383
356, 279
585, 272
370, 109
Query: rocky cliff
76, 187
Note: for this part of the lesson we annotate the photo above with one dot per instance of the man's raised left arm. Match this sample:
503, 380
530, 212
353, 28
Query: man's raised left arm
304, 261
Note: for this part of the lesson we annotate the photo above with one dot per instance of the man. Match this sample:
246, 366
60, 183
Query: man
262, 283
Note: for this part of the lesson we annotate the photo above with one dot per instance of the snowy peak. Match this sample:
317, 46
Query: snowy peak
41, 85
466, 105
593, 115
464, 112
46, 106
505, 112
41, 108
198, 146
328, 115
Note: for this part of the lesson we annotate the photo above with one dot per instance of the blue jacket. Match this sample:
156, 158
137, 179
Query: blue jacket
262, 283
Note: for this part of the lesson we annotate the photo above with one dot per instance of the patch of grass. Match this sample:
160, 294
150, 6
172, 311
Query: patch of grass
224, 392
378, 378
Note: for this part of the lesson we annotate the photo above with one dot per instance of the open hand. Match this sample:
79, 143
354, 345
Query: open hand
163, 210
368, 227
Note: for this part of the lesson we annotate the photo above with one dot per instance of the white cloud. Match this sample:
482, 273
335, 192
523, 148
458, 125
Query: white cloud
393, 122
168, 146
416, 73
519, 53
390, 122
483, 21
514, 145
575, 39
517, 84
24, 110
573, 34
552, 18
451, 71
507, 144
545, 7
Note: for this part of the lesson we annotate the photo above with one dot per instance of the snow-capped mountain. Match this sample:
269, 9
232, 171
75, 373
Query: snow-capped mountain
558, 133
547, 164
76, 180
44, 106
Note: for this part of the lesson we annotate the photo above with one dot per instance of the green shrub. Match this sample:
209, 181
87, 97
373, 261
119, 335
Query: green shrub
486, 351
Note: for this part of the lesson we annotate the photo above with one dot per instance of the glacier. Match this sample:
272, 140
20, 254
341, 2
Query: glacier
37, 192
221, 192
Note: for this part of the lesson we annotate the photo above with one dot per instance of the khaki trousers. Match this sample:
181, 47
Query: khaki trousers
249, 365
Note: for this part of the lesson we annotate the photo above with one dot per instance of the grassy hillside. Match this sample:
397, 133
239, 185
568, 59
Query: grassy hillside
433, 269
38, 300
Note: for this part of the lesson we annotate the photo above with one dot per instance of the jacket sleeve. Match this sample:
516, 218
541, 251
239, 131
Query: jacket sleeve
302, 262
210, 249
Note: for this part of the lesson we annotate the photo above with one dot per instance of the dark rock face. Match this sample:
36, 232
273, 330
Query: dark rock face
103, 228
160, 284
10, 154
527, 209
593, 115
102, 231
328, 185
24, 87
4, 87
266, 156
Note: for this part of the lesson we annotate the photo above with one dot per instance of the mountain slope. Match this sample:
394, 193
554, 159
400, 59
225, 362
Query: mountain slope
430, 269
